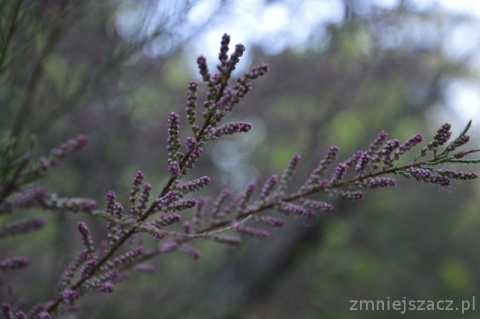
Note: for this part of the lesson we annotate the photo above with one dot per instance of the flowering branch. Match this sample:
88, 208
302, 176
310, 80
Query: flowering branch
227, 218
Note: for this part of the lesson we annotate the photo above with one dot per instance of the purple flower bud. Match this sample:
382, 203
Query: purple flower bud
271, 221
315, 204
173, 139
203, 68
386, 152
151, 229
245, 196
167, 247
20, 315
182, 205
326, 161
377, 182
230, 128
53, 202
108, 287
408, 145
88, 267
146, 269
250, 231
69, 296
192, 252
362, 163
21, 226
441, 137
44, 315
235, 57
427, 176
118, 210
24, 199
6, 310
340, 171
66, 149
174, 169
137, 182
229, 240
223, 57
288, 173
459, 141
377, 143
110, 202
257, 71
86, 237
14, 263
192, 104
192, 160
220, 201
270, 183
294, 209
194, 185
166, 220
144, 197
457, 175
350, 195
191, 143
166, 200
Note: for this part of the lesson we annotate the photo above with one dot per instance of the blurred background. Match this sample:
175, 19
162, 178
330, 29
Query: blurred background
340, 72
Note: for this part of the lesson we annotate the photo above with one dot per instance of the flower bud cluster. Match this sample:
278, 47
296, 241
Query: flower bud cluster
136, 186
55, 203
57, 154
192, 104
13, 263
427, 176
167, 219
362, 163
459, 141
318, 205
271, 221
339, 172
25, 199
250, 231
350, 195
408, 145
86, 237
457, 175
294, 209
173, 144
288, 173
441, 137
21, 226
323, 165
376, 182
190, 251
223, 56
246, 196
194, 185
144, 197
386, 153
377, 143
203, 68
230, 129
268, 186
226, 239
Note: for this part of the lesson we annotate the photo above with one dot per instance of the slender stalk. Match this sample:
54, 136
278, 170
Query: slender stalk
37, 72
11, 30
